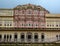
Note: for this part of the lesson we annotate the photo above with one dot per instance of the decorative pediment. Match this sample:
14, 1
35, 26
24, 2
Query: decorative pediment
30, 6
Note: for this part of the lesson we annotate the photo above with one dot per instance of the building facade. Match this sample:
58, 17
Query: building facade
29, 24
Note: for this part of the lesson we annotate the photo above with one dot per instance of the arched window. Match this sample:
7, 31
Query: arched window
29, 36
36, 36
42, 37
15, 37
5, 37
57, 37
22, 36
0, 37
10, 37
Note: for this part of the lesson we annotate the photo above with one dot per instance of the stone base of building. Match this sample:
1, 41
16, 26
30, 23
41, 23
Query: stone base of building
30, 44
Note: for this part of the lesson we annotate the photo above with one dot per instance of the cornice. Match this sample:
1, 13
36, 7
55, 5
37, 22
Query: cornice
28, 29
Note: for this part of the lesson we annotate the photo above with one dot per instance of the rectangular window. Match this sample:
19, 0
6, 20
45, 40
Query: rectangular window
16, 12
35, 12
29, 11
23, 11
7, 23
41, 13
